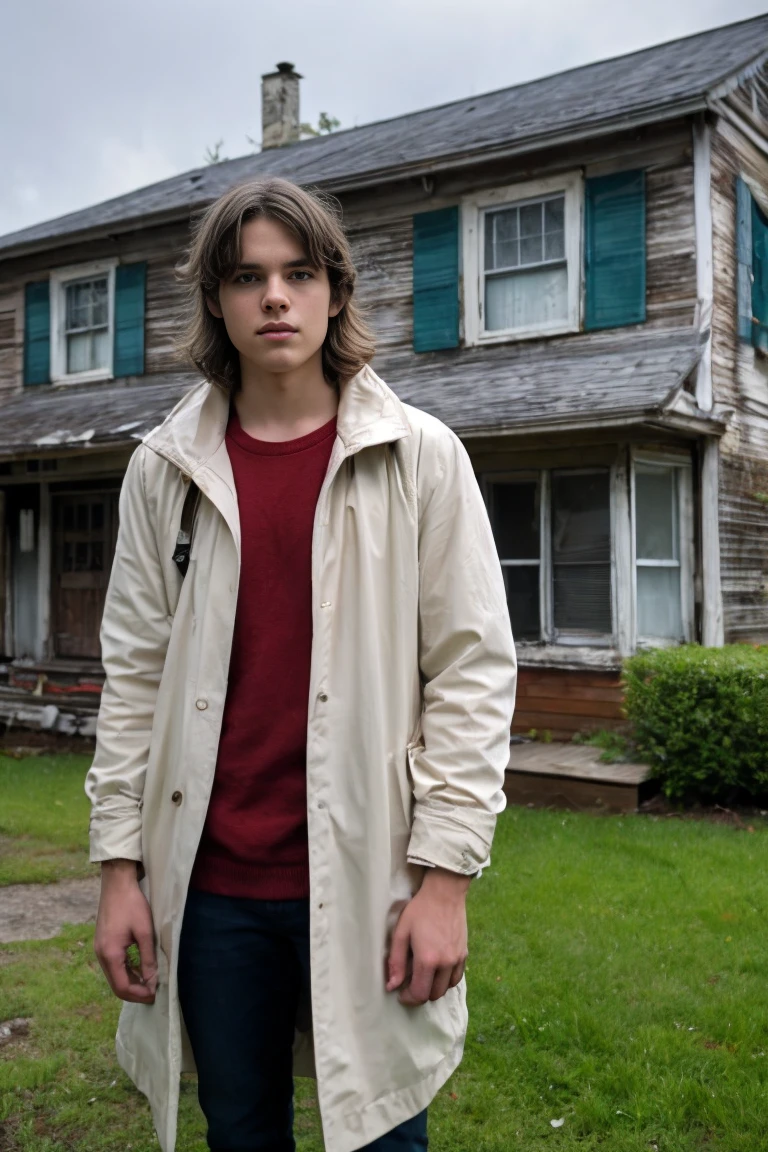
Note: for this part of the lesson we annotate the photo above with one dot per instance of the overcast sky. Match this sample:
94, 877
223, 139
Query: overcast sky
101, 96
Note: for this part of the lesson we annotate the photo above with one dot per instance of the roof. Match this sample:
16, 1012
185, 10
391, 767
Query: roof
581, 381
670, 79
605, 378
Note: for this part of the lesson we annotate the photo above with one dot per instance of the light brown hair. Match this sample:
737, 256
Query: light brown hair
314, 218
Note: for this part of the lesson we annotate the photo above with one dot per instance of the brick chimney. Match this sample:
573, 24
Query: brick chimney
280, 107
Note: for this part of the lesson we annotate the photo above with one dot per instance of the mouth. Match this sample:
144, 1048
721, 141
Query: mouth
277, 332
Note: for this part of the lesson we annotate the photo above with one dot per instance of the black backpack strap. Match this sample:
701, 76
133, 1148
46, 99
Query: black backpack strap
186, 528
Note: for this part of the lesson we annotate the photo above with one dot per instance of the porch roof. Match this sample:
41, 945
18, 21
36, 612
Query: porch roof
592, 380
600, 379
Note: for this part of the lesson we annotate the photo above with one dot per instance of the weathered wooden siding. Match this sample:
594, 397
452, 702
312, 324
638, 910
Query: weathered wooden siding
739, 380
380, 232
671, 240
11, 340
562, 702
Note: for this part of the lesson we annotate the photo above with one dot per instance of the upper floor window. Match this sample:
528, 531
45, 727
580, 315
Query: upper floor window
752, 262
86, 325
550, 256
86, 322
522, 247
82, 323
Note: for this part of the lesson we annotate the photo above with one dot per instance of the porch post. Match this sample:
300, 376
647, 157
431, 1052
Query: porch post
712, 630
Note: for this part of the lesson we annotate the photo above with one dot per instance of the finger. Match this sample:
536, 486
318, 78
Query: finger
420, 985
145, 942
440, 983
457, 973
398, 959
119, 979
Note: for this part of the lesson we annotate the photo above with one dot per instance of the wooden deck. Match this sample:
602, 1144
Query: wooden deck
572, 776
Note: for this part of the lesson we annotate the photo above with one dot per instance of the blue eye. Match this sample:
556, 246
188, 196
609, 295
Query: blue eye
307, 274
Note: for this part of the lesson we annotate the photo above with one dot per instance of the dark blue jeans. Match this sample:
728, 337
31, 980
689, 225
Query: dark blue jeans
243, 979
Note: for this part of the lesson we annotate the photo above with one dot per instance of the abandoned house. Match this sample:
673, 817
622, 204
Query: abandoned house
572, 273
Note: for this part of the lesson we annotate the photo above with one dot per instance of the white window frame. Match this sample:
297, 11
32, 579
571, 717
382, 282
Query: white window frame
60, 278
685, 520
549, 636
473, 209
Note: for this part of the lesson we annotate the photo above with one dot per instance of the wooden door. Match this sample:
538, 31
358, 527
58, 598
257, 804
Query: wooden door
84, 535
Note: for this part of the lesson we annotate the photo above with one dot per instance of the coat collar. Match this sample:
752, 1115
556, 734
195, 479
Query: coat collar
192, 435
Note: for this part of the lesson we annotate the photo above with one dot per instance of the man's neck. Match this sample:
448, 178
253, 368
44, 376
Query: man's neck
284, 406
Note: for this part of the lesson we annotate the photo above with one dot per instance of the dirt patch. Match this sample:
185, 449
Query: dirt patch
10, 1029
20, 744
38, 911
744, 818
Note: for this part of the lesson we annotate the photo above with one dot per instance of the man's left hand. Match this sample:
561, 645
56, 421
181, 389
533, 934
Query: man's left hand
429, 944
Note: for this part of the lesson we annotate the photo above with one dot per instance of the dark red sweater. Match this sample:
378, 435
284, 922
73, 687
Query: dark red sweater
254, 843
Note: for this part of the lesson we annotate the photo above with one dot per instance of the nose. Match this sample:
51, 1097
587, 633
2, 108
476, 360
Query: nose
275, 298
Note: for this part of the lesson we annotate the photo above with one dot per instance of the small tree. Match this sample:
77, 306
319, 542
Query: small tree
213, 155
325, 125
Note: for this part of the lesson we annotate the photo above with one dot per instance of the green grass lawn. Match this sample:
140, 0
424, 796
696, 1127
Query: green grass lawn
617, 982
43, 819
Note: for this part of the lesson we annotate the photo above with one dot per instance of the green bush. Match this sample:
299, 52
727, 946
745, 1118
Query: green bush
700, 718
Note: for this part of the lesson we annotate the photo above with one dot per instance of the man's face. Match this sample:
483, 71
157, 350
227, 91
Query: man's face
275, 287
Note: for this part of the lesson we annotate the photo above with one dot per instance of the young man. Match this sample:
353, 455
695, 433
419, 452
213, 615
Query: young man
302, 742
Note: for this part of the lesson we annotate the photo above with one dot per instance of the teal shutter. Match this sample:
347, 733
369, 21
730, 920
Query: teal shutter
744, 258
130, 296
436, 280
759, 277
37, 333
615, 250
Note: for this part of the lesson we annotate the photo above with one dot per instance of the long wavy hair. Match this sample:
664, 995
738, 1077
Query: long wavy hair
314, 218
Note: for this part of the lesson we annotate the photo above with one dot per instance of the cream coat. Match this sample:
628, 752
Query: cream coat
411, 698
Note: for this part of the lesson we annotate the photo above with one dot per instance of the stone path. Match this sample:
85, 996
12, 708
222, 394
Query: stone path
38, 911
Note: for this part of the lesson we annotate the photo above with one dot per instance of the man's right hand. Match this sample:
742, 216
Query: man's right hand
125, 918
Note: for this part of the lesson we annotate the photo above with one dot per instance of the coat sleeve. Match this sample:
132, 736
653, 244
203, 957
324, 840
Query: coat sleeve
135, 630
468, 668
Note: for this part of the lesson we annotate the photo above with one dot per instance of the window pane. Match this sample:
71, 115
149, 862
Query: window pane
97, 517
79, 352
87, 350
82, 517
523, 600
501, 246
554, 246
581, 517
81, 557
526, 299
582, 598
656, 515
86, 303
659, 613
531, 218
554, 215
515, 517
100, 349
581, 552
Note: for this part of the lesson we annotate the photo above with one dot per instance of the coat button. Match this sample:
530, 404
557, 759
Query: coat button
323, 696
201, 705
177, 797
